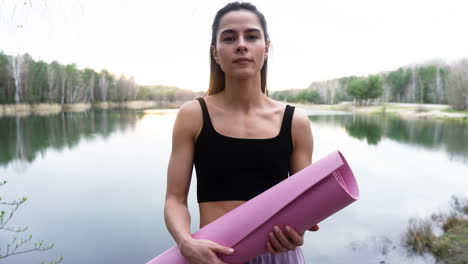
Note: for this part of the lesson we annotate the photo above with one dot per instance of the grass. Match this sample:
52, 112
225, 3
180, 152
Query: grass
452, 246
419, 237
451, 110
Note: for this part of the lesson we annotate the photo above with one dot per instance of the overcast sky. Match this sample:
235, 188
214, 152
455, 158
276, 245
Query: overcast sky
167, 42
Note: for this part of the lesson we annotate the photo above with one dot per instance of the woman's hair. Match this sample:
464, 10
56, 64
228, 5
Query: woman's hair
217, 77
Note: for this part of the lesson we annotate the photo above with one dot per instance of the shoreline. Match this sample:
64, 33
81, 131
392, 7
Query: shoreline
43, 109
406, 111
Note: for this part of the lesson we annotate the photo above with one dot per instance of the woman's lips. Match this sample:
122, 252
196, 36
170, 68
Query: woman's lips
242, 60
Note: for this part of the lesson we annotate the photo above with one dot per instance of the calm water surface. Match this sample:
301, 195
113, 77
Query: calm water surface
95, 183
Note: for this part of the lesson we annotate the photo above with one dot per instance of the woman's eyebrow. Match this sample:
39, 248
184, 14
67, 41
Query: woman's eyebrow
232, 31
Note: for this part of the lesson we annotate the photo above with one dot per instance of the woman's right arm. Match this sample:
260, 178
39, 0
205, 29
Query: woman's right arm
176, 214
179, 173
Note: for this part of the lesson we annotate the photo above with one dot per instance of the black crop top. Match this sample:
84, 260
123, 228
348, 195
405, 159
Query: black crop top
230, 168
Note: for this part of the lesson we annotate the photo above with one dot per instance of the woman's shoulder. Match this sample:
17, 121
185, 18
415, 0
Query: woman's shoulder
190, 115
299, 119
298, 115
191, 108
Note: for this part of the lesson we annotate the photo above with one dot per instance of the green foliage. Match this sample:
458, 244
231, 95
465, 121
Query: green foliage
427, 75
365, 88
399, 81
298, 96
308, 96
374, 87
40, 86
6, 81
55, 83
357, 88
157, 92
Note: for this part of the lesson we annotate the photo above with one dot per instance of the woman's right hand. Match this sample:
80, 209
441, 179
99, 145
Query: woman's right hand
201, 251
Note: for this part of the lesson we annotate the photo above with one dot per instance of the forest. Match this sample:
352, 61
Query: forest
431, 83
24, 80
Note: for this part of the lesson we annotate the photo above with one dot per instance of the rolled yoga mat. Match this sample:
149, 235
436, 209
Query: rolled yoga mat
301, 201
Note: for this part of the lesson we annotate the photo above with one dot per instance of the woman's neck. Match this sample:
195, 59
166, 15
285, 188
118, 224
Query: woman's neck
243, 94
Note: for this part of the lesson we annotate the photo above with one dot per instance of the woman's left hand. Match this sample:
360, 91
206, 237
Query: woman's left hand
287, 239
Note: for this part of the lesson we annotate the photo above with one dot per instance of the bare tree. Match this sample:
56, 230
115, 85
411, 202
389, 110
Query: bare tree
457, 85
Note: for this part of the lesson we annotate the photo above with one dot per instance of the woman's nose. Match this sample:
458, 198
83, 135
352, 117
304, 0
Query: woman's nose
241, 45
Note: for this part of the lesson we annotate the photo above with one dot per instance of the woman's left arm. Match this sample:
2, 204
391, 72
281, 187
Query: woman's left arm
301, 157
303, 142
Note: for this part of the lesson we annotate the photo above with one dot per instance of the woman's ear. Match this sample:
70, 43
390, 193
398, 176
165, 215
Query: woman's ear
214, 53
267, 48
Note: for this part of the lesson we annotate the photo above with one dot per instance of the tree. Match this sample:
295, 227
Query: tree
357, 88
307, 96
425, 92
7, 89
362, 89
398, 81
39, 80
89, 81
457, 85
374, 87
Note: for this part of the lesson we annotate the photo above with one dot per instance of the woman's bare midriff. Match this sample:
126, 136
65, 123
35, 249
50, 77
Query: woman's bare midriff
210, 211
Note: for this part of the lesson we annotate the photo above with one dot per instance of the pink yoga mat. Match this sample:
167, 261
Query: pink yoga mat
301, 201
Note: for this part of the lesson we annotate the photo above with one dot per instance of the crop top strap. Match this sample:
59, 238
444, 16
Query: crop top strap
206, 115
286, 126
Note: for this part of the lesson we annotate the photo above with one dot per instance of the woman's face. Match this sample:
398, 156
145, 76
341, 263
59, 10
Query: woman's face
241, 48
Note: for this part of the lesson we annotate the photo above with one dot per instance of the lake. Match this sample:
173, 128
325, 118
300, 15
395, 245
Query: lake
95, 184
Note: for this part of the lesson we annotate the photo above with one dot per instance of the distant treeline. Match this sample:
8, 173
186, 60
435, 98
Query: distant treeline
24, 80
436, 83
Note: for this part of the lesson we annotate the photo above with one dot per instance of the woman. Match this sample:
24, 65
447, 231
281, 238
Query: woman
240, 141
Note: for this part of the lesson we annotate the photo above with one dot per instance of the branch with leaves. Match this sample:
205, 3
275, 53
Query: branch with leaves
19, 245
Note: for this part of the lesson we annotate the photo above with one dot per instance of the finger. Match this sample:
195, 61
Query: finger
314, 228
283, 239
270, 248
276, 244
293, 236
221, 250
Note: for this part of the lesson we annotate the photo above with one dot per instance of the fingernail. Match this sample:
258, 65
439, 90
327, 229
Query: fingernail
277, 229
230, 250
288, 228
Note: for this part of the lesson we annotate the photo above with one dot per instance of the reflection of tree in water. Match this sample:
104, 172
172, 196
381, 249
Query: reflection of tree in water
449, 135
365, 129
23, 138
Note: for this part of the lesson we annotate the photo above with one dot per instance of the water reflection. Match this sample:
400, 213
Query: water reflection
24, 138
449, 136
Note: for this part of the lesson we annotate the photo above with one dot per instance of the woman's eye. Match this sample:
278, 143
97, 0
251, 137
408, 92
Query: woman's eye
252, 37
228, 39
